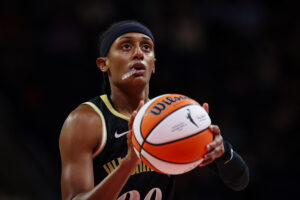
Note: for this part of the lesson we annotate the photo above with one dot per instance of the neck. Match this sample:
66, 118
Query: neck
126, 102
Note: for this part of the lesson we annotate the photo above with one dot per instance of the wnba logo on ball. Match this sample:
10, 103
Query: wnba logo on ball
159, 107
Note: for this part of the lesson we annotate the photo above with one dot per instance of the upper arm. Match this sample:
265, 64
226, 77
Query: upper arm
80, 136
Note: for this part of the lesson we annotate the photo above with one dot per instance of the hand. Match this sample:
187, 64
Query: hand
131, 156
215, 149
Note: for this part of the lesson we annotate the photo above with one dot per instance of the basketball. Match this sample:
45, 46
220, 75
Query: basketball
170, 133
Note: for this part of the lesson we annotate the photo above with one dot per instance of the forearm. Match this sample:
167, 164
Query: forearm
232, 169
111, 186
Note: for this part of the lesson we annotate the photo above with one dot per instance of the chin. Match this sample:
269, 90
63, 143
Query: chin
140, 81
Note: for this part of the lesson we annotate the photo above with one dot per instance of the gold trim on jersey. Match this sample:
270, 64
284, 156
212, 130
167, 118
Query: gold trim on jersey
104, 132
110, 166
111, 108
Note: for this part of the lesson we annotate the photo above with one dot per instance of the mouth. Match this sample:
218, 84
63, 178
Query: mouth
138, 66
137, 69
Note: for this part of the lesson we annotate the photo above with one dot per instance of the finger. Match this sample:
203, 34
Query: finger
218, 141
128, 136
215, 129
134, 113
130, 123
140, 105
213, 154
206, 107
205, 162
129, 140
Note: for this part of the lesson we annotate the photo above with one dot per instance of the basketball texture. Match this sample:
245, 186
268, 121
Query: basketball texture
171, 133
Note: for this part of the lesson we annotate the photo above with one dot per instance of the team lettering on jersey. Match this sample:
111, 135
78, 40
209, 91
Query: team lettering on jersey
111, 165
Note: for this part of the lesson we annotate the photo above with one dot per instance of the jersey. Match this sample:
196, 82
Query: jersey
144, 183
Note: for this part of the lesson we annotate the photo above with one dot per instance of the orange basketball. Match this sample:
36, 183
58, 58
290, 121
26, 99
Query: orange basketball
171, 133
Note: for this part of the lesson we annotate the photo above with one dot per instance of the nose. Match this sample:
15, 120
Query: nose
138, 54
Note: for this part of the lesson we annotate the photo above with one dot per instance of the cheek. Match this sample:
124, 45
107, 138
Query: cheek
118, 62
152, 63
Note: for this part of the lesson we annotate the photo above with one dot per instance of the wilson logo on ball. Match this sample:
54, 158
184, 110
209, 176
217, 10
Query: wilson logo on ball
159, 107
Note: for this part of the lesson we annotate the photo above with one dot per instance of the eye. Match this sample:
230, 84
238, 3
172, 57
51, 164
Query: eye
126, 46
146, 47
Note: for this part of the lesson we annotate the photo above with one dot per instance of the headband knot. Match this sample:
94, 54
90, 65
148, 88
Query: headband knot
119, 30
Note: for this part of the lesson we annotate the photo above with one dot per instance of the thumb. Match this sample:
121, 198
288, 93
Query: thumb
206, 107
130, 123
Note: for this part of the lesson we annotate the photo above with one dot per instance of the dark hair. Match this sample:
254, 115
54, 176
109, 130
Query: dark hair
108, 37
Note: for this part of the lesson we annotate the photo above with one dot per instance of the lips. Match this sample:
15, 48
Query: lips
140, 69
138, 66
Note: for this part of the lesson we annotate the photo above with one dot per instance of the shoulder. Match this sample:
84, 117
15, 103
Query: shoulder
83, 115
82, 127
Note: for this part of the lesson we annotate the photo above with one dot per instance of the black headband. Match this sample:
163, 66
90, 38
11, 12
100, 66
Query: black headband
110, 37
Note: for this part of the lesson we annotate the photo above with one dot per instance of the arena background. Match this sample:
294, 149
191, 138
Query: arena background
242, 57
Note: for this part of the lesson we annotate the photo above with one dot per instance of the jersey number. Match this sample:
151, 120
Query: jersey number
135, 195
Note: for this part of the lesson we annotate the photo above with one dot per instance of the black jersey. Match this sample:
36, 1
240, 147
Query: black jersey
144, 183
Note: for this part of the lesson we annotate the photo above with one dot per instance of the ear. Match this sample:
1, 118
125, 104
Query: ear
153, 69
102, 63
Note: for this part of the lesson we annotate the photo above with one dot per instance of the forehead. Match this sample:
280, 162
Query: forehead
138, 36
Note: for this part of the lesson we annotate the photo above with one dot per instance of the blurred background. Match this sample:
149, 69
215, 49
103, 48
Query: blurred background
242, 57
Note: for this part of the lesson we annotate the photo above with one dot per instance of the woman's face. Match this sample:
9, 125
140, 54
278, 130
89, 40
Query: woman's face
131, 51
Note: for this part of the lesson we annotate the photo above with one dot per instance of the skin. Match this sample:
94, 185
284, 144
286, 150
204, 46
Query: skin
128, 96
215, 149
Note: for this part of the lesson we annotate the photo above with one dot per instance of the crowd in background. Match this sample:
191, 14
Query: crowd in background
242, 57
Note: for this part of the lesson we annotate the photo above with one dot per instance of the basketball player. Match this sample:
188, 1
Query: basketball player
98, 160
